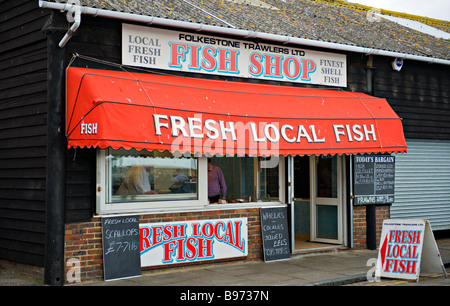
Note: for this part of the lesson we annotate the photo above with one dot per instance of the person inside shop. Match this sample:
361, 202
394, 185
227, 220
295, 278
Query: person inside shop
180, 182
136, 181
179, 176
217, 188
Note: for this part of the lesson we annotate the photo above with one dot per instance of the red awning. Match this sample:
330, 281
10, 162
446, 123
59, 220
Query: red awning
145, 111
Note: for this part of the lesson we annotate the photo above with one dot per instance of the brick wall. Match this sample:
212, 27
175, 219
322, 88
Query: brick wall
382, 212
359, 227
83, 241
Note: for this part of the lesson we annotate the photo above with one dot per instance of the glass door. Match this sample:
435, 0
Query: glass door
326, 199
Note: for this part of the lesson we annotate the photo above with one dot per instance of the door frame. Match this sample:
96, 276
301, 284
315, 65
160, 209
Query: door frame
342, 207
339, 202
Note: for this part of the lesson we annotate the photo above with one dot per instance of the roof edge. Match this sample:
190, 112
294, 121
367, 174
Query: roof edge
151, 20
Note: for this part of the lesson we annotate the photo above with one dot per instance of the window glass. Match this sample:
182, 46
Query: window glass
140, 176
327, 176
246, 180
301, 177
268, 182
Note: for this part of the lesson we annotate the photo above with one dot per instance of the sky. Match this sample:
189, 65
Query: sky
438, 9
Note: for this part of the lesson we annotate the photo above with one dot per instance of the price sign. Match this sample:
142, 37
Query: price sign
121, 254
275, 233
374, 179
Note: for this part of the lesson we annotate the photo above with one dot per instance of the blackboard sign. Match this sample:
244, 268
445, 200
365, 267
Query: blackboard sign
374, 179
275, 234
121, 254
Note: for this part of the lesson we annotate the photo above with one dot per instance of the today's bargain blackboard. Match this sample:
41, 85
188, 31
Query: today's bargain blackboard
275, 234
121, 253
373, 179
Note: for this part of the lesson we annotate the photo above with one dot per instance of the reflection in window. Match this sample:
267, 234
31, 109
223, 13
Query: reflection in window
247, 181
327, 176
268, 182
149, 176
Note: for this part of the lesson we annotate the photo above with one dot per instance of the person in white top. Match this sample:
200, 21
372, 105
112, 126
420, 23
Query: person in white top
136, 181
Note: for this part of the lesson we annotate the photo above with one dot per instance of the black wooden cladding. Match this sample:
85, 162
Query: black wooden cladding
23, 118
419, 94
80, 184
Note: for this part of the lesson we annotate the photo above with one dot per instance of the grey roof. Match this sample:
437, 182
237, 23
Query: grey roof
315, 20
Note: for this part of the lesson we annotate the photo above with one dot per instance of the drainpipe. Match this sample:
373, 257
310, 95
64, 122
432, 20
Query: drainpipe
371, 219
73, 28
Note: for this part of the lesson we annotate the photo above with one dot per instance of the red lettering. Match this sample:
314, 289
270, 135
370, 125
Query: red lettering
404, 235
401, 266
411, 266
309, 66
169, 249
228, 63
179, 230
416, 237
256, 68
237, 231
167, 232
145, 242
209, 60
414, 254
194, 64
291, 68
391, 235
180, 249
273, 66
229, 233
156, 234
389, 263
208, 230
191, 251
395, 265
177, 54
204, 247
217, 231
195, 229
397, 236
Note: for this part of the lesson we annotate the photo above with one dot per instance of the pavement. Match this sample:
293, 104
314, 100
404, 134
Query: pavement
334, 268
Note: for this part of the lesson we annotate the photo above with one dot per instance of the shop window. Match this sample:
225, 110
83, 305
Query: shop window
131, 180
248, 180
148, 179
150, 176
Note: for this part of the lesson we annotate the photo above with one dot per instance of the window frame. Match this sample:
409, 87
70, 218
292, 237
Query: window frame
123, 207
202, 203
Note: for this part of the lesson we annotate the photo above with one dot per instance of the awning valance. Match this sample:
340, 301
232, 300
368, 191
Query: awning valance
157, 112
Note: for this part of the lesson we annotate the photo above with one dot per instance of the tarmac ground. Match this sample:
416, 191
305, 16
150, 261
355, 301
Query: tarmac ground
335, 268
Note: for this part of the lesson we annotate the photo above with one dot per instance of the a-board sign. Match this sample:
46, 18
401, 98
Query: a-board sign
275, 233
373, 179
407, 248
121, 256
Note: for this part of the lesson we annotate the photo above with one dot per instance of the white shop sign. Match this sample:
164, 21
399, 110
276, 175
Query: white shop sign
189, 241
407, 248
181, 51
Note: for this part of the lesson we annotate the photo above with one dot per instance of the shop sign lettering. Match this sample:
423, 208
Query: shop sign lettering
233, 136
172, 50
400, 249
88, 128
190, 241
